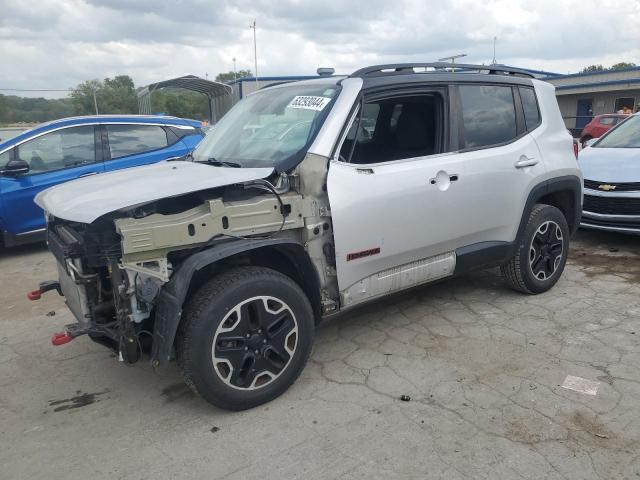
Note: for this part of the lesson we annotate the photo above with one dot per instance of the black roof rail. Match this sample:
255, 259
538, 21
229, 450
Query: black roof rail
408, 68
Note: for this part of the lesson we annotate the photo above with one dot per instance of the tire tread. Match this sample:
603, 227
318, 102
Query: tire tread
512, 270
193, 315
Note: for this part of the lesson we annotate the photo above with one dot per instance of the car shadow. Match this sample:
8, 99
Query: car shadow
26, 249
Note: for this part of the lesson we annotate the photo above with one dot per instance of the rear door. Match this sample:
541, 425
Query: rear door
130, 145
501, 159
54, 157
396, 196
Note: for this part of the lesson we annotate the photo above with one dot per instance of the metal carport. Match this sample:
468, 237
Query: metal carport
219, 95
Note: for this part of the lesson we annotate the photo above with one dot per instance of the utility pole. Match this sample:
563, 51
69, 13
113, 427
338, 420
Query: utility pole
235, 79
255, 51
95, 101
493, 62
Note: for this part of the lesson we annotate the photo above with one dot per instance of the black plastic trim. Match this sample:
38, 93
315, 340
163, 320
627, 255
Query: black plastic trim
569, 183
172, 296
482, 255
11, 240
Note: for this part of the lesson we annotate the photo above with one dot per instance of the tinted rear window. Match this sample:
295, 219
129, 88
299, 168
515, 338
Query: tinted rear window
530, 107
488, 115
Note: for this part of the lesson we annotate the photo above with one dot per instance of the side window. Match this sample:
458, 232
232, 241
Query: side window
394, 129
488, 115
608, 121
125, 140
530, 107
69, 147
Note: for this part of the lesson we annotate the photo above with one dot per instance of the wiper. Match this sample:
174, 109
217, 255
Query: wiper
220, 163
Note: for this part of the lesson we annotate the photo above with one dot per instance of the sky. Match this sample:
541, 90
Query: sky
48, 44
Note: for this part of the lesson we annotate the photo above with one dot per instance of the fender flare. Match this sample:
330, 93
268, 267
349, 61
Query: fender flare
171, 298
565, 183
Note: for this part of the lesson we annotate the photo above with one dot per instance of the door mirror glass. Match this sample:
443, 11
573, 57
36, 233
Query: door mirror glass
15, 167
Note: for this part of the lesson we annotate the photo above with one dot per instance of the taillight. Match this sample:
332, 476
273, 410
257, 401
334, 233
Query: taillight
575, 149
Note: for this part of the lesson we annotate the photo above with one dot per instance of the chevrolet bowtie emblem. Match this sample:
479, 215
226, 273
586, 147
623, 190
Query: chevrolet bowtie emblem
606, 187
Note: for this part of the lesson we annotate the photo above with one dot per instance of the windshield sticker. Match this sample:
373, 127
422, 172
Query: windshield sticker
309, 102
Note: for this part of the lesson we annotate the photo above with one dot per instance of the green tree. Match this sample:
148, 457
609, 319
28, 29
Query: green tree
593, 68
620, 65
615, 66
113, 95
82, 97
230, 76
180, 103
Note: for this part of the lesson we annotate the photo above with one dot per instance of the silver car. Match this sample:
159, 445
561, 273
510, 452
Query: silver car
307, 199
611, 169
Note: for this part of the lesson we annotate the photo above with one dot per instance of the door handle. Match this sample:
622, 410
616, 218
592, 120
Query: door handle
525, 162
442, 176
87, 174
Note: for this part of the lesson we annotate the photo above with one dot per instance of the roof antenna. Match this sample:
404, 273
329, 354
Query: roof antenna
494, 62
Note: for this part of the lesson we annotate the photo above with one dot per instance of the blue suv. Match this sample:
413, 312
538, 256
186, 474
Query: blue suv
71, 148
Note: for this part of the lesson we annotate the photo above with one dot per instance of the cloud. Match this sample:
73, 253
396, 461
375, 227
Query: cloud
63, 42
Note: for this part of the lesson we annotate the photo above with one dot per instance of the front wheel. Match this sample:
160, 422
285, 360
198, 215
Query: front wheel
542, 253
245, 337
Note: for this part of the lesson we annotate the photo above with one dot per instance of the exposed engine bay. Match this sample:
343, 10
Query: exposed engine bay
119, 271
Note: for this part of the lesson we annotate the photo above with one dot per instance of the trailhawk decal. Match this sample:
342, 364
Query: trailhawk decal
363, 253
309, 102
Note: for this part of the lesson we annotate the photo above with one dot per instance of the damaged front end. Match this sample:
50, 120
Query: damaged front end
110, 304
126, 275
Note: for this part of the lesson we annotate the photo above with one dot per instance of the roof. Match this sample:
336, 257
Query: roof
92, 119
190, 82
542, 73
601, 72
281, 78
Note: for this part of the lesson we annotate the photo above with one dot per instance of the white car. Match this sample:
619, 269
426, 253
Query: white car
611, 169
351, 189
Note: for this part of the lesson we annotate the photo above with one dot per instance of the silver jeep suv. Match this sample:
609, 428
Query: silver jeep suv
310, 198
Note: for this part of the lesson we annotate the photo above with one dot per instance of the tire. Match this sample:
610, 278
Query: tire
542, 252
239, 372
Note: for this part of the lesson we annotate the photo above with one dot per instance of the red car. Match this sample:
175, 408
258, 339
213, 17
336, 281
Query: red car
599, 125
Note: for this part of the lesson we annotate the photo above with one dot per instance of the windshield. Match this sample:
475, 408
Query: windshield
625, 135
271, 128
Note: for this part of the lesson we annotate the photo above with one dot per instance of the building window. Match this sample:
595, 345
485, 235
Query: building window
623, 103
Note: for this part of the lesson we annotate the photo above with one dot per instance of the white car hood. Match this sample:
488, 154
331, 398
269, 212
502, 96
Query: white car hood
86, 199
613, 165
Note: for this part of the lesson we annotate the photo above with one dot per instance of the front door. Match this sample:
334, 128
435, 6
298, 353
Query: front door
395, 197
53, 158
584, 112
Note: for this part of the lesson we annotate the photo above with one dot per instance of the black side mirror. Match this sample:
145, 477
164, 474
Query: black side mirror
15, 167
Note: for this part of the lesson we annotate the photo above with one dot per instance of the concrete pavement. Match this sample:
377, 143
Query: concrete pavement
483, 366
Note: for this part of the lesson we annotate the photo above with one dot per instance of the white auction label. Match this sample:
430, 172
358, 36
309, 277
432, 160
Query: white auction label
309, 102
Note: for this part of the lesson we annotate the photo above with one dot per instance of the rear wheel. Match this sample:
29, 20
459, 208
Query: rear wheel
540, 260
245, 337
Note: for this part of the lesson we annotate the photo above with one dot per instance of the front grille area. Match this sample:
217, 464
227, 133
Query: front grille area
611, 205
619, 187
